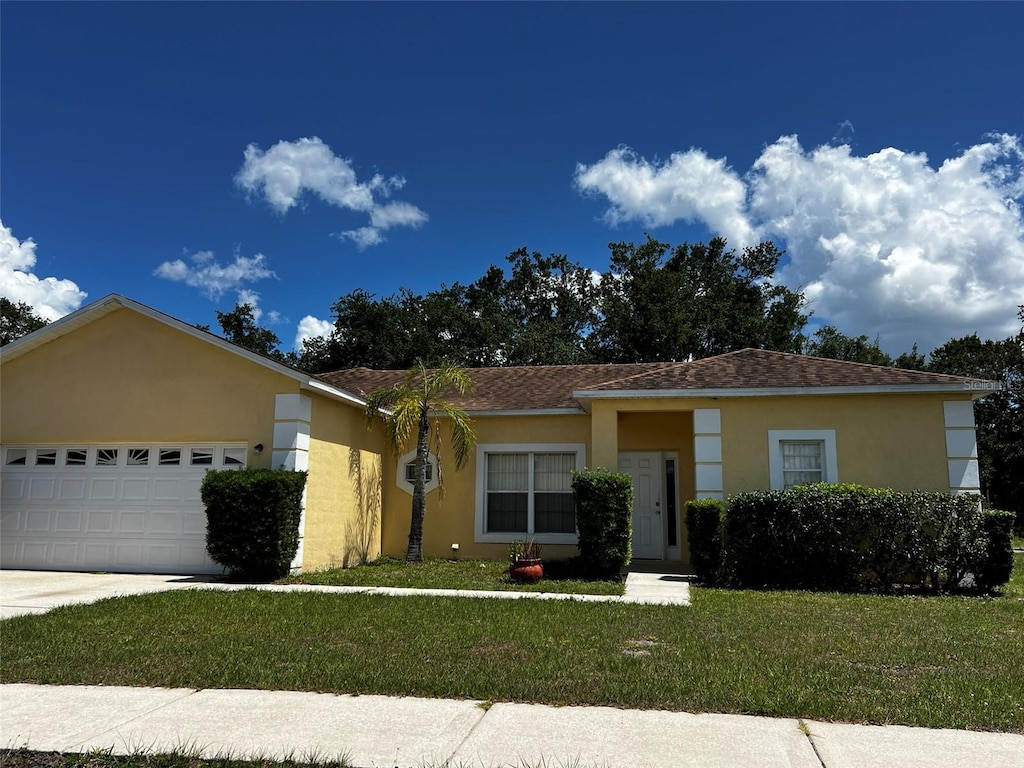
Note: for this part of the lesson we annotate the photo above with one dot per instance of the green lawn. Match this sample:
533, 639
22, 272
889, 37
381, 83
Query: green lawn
454, 574
28, 758
1015, 587
940, 661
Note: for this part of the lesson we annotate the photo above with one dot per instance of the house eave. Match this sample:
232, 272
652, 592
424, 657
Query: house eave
568, 411
323, 388
975, 389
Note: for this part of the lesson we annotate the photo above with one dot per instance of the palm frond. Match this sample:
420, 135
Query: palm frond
380, 401
463, 436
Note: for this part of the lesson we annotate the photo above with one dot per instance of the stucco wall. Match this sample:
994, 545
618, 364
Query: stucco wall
126, 377
888, 440
450, 520
893, 441
885, 441
343, 493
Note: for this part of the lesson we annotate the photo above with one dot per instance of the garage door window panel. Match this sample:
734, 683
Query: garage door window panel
46, 457
170, 457
233, 457
106, 457
138, 457
76, 457
16, 457
201, 458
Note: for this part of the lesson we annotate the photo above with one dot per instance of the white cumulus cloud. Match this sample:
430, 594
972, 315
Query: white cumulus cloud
689, 186
213, 278
288, 170
886, 243
51, 298
309, 327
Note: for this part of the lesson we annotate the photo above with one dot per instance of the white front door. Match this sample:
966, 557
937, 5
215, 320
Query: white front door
646, 471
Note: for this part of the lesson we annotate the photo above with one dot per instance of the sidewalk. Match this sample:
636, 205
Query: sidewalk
380, 731
23, 592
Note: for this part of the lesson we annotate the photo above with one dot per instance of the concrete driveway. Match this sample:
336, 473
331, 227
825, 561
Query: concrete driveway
23, 592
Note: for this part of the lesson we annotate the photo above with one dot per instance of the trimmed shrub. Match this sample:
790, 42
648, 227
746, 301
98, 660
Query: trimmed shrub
997, 566
252, 520
962, 539
853, 538
604, 519
704, 521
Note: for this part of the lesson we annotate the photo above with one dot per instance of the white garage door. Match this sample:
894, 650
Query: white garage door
121, 508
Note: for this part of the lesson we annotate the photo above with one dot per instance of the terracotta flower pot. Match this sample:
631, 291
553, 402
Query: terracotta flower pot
526, 571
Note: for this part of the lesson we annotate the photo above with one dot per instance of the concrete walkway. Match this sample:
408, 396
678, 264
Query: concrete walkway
379, 731
23, 592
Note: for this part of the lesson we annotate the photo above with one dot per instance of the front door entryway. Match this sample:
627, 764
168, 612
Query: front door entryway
648, 527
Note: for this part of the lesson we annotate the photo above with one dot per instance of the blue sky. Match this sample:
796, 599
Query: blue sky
188, 154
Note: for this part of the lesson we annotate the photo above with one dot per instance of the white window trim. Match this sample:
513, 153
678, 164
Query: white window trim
404, 484
829, 467
481, 534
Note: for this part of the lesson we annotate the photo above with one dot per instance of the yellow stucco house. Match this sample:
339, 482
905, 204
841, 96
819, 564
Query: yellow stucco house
110, 417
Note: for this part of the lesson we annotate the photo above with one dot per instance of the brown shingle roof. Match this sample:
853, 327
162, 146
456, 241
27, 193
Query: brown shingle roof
510, 388
758, 368
552, 386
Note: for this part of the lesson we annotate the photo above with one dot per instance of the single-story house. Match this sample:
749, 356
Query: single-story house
110, 417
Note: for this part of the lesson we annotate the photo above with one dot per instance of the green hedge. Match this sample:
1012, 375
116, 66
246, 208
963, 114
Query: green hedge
252, 520
853, 538
604, 519
704, 521
997, 565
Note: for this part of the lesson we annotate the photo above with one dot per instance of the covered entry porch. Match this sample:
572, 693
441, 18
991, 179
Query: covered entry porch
673, 454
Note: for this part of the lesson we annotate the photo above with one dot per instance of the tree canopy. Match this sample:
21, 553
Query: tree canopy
16, 320
239, 326
654, 302
693, 301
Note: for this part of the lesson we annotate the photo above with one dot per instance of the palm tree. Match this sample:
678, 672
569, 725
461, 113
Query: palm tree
405, 409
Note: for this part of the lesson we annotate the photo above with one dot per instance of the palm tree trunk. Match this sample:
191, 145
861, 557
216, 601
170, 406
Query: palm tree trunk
414, 554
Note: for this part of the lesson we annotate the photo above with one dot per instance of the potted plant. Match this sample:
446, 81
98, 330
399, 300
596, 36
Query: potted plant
524, 561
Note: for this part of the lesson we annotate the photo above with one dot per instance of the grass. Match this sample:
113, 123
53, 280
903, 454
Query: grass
28, 758
455, 574
1015, 587
945, 662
